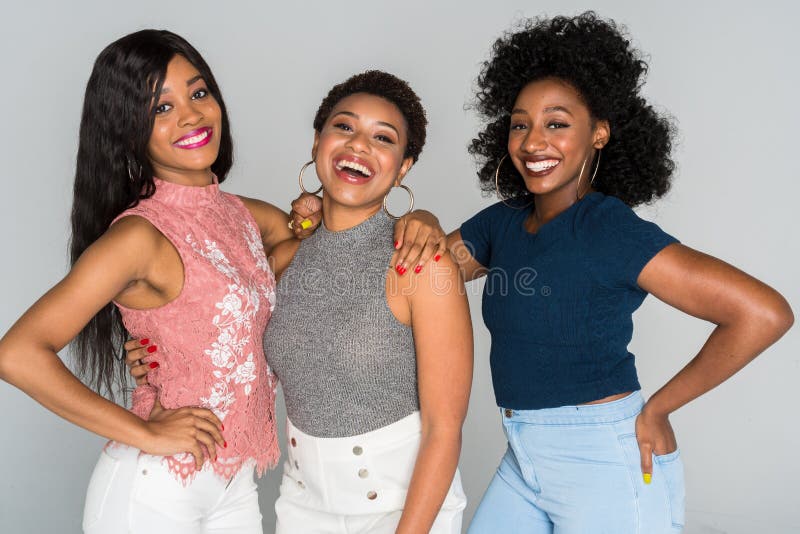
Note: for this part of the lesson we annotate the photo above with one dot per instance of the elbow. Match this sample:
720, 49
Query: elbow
774, 318
6, 370
449, 433
780, 317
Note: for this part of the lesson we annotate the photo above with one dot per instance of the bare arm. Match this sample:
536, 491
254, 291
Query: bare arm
28, 352
470, 268
443, 339
419, 237
750, 316
273, 223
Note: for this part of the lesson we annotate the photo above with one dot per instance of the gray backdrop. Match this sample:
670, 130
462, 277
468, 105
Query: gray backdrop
728, 74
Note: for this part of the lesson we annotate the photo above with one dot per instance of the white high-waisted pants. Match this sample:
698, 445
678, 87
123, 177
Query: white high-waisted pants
356, 484
135, 493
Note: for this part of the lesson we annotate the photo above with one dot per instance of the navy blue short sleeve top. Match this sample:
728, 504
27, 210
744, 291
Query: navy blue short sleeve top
558, 303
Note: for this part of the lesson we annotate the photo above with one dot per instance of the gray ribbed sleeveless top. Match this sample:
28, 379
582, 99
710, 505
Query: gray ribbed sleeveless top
346, 364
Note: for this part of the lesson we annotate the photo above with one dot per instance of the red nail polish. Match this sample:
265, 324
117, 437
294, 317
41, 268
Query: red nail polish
398, 268
396, 243
418, 268
437, 257
403, 271
222, 426
225, 444
151, 349
144, 341
153, 365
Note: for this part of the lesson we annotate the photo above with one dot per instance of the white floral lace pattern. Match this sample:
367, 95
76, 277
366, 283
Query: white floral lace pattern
234, 321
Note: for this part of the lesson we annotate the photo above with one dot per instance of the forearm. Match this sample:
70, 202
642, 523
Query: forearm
435, 467
750, 316
728, 349
43, 376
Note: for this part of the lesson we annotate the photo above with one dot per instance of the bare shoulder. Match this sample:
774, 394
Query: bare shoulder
272, 222
263, 212
438, 278
133, 231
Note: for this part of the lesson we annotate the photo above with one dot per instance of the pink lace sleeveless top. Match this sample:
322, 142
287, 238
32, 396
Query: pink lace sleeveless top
209, 337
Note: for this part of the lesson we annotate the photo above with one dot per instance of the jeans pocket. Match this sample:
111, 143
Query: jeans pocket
99, 485
670, 467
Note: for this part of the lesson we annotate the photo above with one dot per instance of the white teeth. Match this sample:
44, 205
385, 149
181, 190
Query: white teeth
194, 139
539, 166
353, 165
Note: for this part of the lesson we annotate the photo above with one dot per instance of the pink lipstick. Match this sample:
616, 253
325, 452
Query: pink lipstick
195, 138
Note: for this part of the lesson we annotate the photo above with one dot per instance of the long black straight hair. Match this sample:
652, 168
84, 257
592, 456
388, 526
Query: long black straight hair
113, 170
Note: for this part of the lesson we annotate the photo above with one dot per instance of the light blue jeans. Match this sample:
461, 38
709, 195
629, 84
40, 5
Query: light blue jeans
576, 470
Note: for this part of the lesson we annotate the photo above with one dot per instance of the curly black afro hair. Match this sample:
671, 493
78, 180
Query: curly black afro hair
594, 57
386, 86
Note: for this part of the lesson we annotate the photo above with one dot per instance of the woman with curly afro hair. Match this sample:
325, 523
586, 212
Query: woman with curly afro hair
570, 146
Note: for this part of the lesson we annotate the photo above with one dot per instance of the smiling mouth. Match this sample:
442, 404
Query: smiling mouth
354, 169
541, 166
195, 139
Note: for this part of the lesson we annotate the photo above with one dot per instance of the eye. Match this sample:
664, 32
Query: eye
162, 108
518, 126
200, 93
555, 125
384, 139
343, 126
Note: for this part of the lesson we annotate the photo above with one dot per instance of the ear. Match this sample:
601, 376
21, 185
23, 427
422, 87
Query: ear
314, 146
404, 168
601, 135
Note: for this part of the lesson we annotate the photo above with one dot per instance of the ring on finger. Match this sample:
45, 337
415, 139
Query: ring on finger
291, 224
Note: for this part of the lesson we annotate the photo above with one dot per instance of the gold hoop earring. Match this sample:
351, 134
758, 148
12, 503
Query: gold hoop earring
580, 175
596, 166
594, 174
410, 203
300, 179
132, 161
497, 187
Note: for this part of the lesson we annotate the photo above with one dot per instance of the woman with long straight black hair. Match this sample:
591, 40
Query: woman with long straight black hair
158, 248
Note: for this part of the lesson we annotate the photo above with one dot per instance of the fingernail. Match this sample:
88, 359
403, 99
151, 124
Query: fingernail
222, 426
647, 477
418, 268
437, 257
225, 444
305, 224
153, 365
144, 341
151, 349
396, 243
398, 267
403, 271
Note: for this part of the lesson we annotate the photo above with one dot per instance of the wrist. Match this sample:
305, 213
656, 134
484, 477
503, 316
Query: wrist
656, 408
143, 435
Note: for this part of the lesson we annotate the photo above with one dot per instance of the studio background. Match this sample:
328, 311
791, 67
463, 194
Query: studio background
726, 71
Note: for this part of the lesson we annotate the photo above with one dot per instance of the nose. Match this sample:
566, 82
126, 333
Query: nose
534, 141
190, 115
358, 142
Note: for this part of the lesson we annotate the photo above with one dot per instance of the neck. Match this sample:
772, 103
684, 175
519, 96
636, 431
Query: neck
199, 178
338, 217
549, 205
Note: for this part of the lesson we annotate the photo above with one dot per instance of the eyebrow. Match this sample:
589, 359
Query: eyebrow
190, 81
549, 109
355, 116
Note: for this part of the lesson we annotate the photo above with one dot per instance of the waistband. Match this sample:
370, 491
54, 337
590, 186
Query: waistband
381, 438
586, 414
